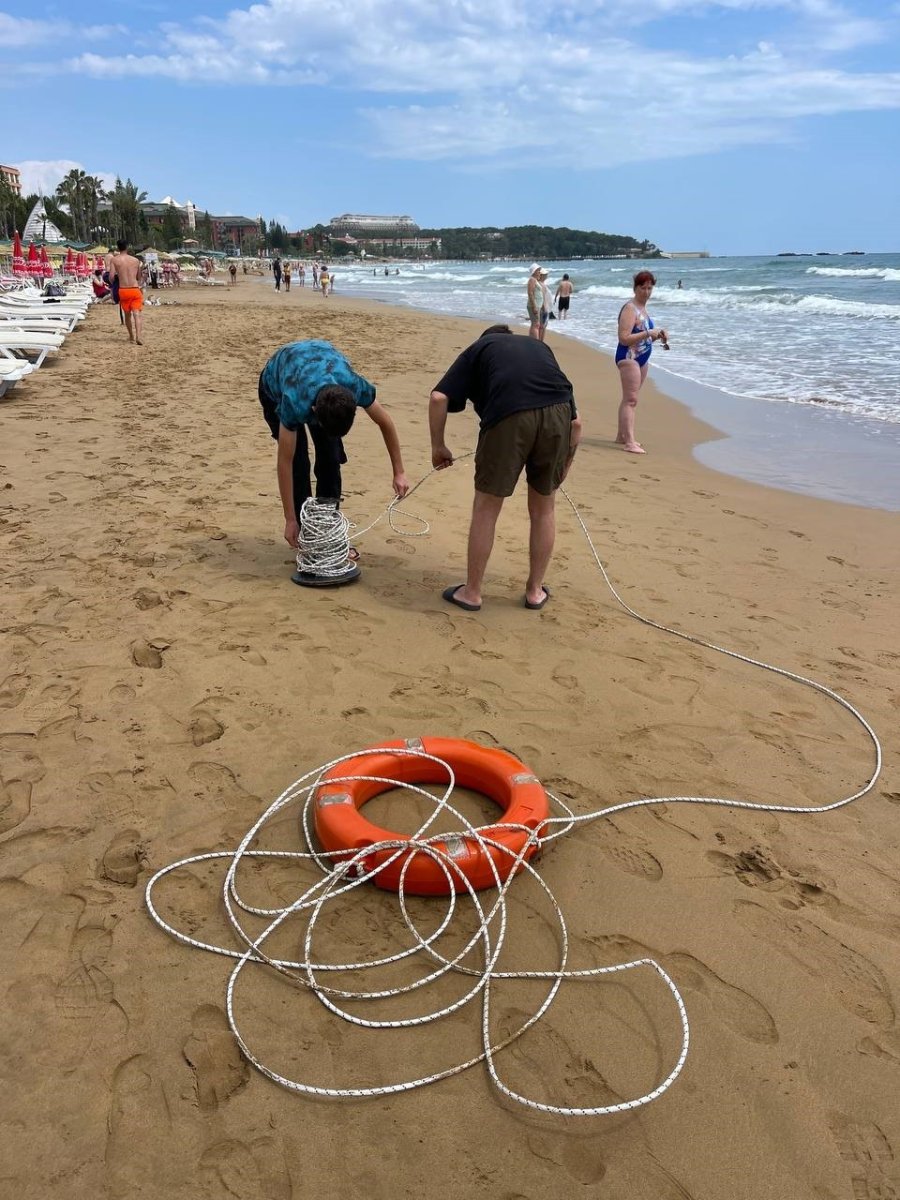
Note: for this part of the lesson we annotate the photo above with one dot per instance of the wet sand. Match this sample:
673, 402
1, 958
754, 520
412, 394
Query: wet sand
161, 681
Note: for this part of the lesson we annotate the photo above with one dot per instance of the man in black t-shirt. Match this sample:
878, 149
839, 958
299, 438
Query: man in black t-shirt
528, 419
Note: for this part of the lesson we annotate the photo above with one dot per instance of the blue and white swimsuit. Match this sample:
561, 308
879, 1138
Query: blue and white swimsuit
640, 351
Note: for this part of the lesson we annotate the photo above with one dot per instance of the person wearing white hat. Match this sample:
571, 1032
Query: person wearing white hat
535, 300
546, 302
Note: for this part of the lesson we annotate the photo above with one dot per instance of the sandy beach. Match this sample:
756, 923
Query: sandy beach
162, 680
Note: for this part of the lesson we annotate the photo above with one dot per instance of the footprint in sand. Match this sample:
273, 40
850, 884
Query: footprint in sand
243, 1171
738, 1009
138, 1112
734, 1006
578, 1156
204, 727
146, 598
13, 689
855, 982
121, 861
627, 852
143, 654
541, 1063
212, 1053
15, 803
869, 1156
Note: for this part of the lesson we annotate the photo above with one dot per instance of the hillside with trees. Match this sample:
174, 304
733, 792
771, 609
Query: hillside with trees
536, 241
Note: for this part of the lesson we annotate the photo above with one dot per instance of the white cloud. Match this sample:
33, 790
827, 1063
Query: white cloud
44, 175
18, 32
474, 75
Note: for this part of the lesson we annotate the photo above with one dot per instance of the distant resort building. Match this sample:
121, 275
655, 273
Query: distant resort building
379, 233
684, 254
12, 178
363, 226
227, 232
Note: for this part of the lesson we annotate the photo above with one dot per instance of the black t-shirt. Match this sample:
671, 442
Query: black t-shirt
504, 374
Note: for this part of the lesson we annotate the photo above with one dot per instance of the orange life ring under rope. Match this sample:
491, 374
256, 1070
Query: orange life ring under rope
340, 826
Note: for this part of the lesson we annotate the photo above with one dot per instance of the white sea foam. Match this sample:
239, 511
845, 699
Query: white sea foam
888, 273
776, 330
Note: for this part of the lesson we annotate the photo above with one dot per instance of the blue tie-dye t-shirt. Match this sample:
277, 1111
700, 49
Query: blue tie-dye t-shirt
296, 373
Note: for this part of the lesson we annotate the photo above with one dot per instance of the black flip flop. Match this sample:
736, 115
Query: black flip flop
449, 594
540, 603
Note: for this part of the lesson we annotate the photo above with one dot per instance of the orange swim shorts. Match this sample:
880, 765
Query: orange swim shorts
131, 299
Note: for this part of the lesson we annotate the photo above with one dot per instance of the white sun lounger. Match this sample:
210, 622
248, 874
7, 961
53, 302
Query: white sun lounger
11, 371
14, 342
14, 303
37, 321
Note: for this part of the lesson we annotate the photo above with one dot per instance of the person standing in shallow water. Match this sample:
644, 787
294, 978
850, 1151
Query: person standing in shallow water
563, 295
637, 334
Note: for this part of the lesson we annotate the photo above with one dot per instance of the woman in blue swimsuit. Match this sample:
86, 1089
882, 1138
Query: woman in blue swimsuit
637, 334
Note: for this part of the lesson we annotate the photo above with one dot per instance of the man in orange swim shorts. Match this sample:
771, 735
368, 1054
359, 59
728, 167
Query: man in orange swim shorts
127, 269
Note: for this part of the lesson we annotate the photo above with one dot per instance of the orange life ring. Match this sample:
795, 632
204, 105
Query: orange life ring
341, 826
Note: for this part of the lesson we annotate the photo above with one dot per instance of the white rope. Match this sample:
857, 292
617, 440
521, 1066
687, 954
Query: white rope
324, 540
341, 878
338, 880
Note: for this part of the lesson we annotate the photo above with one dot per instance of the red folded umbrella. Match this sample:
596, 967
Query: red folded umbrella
33, 266
46, 269
82, 270
18, 263
69, 267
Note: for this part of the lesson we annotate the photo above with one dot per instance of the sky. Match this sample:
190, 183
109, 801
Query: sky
734, 126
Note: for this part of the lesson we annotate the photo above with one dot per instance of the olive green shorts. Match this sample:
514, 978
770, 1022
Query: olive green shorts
536, 439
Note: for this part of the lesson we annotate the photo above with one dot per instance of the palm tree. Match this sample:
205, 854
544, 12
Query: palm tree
125, 215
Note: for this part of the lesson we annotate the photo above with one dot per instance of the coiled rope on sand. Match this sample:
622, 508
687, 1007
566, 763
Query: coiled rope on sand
339, 879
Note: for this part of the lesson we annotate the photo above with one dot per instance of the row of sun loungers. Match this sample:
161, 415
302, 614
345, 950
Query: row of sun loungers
33, 325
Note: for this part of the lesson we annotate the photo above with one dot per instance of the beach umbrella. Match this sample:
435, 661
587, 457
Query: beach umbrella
33, 264
99, 264
18, 262
82, 270
46, 269
69, 267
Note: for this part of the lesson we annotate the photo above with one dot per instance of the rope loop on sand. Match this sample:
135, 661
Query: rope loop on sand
478, 959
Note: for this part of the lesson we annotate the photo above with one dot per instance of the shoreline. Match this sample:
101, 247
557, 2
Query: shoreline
792, 447
162, 681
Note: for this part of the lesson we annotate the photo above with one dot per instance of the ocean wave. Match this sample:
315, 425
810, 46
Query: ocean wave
887, 273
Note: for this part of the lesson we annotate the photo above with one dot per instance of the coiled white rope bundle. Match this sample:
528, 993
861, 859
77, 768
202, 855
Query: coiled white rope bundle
340, 878
324, 540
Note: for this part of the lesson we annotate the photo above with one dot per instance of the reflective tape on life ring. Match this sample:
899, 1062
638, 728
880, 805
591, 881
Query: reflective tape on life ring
341, 826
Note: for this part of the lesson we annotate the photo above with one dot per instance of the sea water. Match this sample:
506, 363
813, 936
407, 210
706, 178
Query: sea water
795, 358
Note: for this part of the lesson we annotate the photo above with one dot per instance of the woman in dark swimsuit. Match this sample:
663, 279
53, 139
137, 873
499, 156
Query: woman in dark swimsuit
636, 337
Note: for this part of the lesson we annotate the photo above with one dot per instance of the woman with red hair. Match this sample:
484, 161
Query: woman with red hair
636, 337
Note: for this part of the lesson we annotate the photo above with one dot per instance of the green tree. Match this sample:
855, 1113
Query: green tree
171, 234
205, 233
81, 194
126, 217
11, 217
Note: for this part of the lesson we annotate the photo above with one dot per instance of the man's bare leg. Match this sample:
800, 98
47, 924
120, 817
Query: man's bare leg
139, 326
542, 515
129, 325
485, 511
